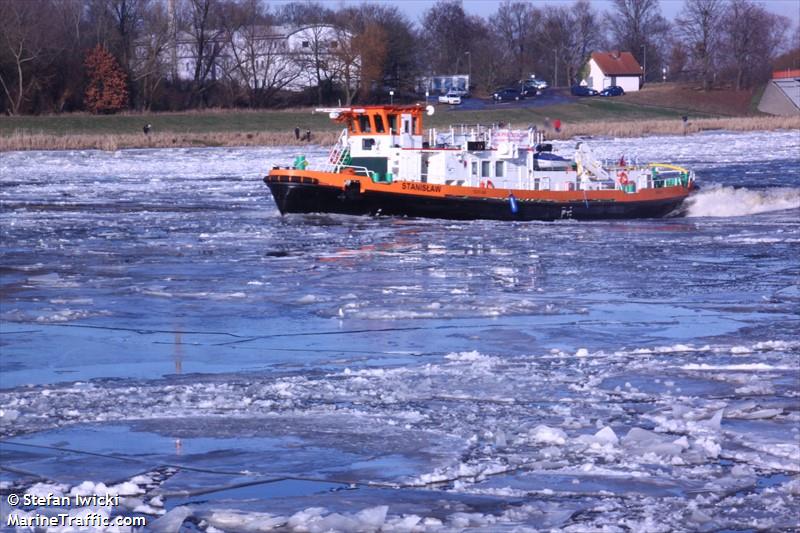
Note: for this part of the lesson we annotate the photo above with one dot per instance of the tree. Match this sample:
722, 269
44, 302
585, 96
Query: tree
258, 59
447, 36
206, 35
350, 53
305, 13
387, 43
750, 38
517, 24
313, 58
699, 24
572, 33
106, 90
24, 48
638, 27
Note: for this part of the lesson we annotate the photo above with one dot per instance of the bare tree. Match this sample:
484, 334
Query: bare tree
699, 23
305, 13
447, 36
750, 38
572, 33
259, 59
517, 24
638, 27
313, 56
387, 43
24, 45
348, 53
206, 35
149, 56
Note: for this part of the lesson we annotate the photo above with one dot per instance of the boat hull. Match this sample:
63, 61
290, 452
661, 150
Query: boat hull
352, 199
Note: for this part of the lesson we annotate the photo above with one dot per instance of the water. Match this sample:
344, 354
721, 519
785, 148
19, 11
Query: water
167, 334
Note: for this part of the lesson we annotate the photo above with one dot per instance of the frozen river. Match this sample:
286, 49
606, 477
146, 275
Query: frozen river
167, 336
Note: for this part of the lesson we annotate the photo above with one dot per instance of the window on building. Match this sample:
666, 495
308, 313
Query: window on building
379, 124
367, 144
498, 169
334, 44
306, 44
363, 123
486, 168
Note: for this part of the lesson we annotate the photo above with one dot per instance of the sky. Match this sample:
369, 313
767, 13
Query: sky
669, 8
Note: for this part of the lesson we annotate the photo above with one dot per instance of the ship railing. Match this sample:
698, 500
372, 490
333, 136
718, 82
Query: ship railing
337, 154
358, 170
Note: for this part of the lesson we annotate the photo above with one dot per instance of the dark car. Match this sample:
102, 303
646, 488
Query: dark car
509, 93
613, 90
580, 90
528, 91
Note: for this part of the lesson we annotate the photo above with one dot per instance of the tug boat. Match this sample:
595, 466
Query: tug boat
384, 164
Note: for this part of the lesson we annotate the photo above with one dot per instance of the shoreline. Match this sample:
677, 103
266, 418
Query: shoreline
25, 141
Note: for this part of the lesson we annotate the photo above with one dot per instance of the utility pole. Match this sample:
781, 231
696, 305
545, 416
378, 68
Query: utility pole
644, 68
555, 69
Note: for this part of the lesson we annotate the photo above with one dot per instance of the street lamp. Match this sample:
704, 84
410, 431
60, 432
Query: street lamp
391, 97
426, 97
663, 74
644, 68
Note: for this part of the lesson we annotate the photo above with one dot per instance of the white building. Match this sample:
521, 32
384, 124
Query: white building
614, 68
267, 57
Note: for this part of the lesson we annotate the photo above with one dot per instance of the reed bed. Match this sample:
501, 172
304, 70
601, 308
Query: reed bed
40, 141
26, 140
674, 127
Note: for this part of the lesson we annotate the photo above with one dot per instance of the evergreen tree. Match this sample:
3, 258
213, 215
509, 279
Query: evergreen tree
107, 90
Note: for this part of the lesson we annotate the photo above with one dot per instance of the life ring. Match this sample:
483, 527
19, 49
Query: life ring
487, 185
623, 177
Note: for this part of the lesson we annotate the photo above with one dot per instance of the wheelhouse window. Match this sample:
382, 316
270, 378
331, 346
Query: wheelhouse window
486, 168
393, 123
363, 124
379, 124
499, 167
474, 168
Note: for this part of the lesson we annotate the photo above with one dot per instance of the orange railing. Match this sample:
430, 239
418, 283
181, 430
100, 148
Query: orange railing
780, 74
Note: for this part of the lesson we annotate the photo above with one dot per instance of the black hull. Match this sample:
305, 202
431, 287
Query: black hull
303, 198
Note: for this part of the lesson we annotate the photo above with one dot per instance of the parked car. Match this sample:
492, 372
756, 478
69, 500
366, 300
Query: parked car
528, 91
613, 90
581, 90
463, 93
452, 98
539, 85
507, 94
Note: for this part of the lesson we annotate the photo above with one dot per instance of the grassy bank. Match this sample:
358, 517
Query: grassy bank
596, 116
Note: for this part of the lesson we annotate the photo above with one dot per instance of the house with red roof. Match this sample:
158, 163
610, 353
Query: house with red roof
614, 68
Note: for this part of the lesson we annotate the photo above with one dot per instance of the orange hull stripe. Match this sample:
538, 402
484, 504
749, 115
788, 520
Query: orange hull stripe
414, 188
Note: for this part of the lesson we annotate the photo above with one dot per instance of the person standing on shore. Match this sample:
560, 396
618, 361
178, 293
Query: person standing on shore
297, 133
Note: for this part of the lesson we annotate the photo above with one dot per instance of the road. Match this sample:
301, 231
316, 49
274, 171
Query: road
547, 98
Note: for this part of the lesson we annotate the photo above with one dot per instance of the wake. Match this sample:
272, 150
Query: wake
720, 201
